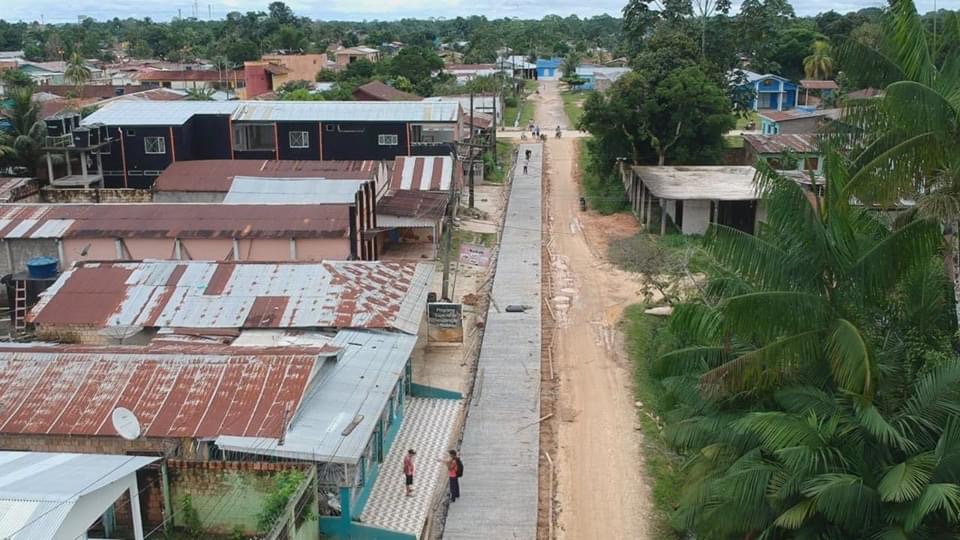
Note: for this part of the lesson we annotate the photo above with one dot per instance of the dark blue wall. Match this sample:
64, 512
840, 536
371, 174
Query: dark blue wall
283, 136
360, 140
211, 136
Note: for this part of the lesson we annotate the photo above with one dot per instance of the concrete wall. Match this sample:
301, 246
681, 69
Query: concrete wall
696, 216
216, 249
14, 253
225, 494
111, 195
213, 197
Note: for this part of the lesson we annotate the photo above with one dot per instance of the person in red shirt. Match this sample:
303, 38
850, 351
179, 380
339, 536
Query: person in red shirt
408, 469
453, 474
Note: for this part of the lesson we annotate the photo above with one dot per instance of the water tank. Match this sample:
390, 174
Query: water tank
56, 126
81, 137
42, 267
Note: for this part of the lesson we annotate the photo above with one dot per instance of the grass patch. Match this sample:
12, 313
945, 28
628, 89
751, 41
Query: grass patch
461, 236
496, 175
752, 116
573, 106
646, 338
602, 189
733, 141
530, 85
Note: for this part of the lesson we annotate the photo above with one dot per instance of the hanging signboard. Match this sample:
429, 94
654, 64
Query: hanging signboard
475, 255
445, 322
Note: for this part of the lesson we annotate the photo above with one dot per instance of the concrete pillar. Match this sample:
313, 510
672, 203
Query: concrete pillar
83, 167
641, 200
135, 508
66, 157
49, 167
663, 217
293, 249
649, 211
780, 97
236, 249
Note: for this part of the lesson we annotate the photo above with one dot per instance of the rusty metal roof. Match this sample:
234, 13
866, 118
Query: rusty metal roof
379, 91
415, 204
777, 144
186, 392
814, 84
208, 295
424, 173
210, 75
151, 220
216, 175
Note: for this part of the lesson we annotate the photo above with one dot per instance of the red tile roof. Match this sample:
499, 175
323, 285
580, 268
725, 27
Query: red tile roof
778, 144
378, 91
813, 84
216, 175
189, 75
174, 391
173, 221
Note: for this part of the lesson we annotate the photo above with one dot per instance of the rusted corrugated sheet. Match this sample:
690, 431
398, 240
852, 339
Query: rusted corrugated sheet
216, 175
174, 221
174, 392
417, 204
201, 294
778, 144
818, 85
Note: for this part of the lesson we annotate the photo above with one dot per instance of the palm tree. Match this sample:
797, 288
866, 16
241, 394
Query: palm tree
819, 65
200, 94
20, 144
77, 72
903, 145
800, 409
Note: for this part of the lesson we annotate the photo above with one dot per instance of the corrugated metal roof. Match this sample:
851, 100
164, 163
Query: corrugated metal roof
818, 85
209, 75
150, 220
203, 294
145, 113
379, 91
359, 386
256, 190
777, 144
38, 490
423, 173
216, 175
174, 392
413, 204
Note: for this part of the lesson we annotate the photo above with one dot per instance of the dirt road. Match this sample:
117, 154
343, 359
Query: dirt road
601, 488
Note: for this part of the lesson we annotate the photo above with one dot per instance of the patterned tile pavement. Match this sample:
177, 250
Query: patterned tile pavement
427, 427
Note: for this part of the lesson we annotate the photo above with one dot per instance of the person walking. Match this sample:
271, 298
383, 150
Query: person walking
524, 168
529, 152
454, 472
408, 469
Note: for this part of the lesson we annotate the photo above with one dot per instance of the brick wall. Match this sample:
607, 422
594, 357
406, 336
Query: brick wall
225, 494
112, 195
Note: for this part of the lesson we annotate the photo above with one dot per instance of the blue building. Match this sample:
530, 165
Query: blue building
771, 92
548, 69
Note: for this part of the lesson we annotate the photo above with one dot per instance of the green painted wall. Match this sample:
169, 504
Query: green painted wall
223, 498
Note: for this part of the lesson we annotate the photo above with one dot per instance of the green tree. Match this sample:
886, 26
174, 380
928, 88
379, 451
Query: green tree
417, 65
801, 404
819, 65
903, 145
20, 144
14, 79
200, 94
77, 72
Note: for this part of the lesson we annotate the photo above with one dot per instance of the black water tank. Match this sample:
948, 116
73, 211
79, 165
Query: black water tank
81, 137
55, 127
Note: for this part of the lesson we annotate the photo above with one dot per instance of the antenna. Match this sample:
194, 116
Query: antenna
120, 332
125, 423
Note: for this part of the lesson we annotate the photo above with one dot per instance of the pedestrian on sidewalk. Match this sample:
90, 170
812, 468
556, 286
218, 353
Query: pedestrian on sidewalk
528, 154
524, 168
454, 473
408, 469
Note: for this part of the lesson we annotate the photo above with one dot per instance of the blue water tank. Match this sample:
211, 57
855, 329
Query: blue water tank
42, 267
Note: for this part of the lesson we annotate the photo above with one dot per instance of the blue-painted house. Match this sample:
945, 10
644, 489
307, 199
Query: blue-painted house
548, 69
771, 92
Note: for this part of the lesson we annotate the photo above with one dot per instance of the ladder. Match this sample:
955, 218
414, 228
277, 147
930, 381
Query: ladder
20, 305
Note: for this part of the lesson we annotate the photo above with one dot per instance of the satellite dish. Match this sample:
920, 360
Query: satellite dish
125, 423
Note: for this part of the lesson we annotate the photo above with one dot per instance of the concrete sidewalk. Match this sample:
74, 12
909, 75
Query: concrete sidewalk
500, 450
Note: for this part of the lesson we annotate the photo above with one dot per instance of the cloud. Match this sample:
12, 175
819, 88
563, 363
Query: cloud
57, 11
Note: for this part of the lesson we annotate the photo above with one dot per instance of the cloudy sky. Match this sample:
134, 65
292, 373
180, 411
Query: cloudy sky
58, 11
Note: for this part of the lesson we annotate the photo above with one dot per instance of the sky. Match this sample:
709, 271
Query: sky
57, 11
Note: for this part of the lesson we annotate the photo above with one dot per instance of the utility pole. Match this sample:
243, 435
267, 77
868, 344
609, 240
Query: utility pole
493, 136
472, 132
448, 243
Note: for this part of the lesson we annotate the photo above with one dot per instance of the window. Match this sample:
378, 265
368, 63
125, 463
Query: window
329, 127
131, 133
253, 137
154, 145
811, 163
388, 140
299, 139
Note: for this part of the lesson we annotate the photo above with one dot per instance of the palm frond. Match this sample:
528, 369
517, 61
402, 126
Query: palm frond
935, 498
906, 481
764, 366
843, 499
852, 364
796, 515
766, 315
910, 38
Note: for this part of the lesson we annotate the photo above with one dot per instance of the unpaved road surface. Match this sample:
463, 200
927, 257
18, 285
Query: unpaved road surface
602, 491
